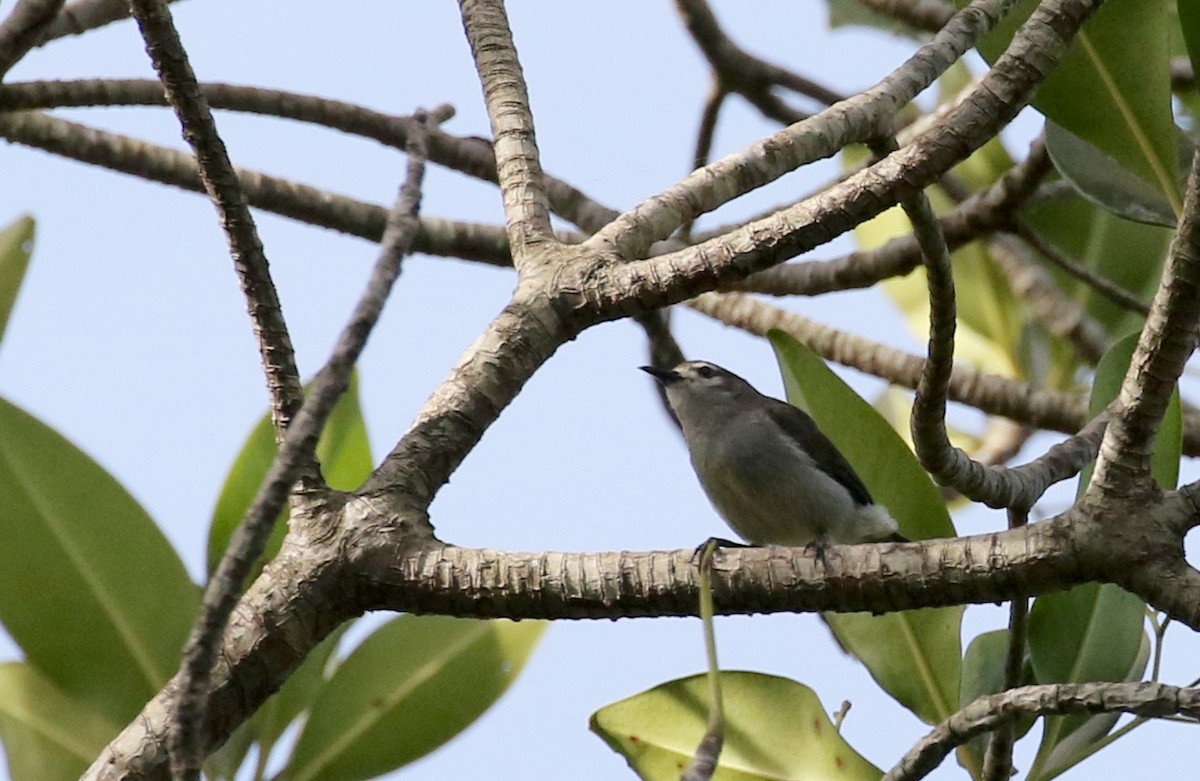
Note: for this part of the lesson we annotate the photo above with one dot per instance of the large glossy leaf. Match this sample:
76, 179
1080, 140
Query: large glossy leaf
411, 686
16, 243
89, 587
1114, 95
777, 729
914, 655
47, 735
344, 452
1102, 180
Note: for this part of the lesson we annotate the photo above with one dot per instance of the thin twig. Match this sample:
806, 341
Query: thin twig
295, 452
221, 183
998, 759
471, 241
1102, 285
739, 72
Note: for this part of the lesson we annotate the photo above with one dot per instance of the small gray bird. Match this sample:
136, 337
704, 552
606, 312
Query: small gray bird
766, 467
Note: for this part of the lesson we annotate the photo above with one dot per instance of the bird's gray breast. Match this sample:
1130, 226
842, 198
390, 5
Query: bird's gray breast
765, 486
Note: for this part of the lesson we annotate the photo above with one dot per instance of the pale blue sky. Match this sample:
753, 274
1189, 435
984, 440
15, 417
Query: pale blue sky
131, 337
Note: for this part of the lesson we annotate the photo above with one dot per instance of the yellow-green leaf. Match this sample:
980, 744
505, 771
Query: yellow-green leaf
16, 244
48, 736
777, 729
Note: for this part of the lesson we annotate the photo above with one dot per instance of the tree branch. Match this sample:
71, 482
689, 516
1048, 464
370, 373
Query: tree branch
221, 183
985, 714
520, 172
20, 30
865, 116
1166, 342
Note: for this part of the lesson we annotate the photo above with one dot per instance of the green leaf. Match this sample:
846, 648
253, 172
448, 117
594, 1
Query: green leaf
983, 674
1110, 374
1189, 24
1075, 746
89, 587
1090, 633
343, 450
48, 736
1115, 96
1094, 632
914, 655
411, 686
1128, 253
852, 13
777, 729
16, 244
1104, 181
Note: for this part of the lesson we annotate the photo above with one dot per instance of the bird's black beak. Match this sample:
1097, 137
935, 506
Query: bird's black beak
665, 376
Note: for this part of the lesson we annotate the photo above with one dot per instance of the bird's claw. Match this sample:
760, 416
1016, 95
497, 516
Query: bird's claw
714, 543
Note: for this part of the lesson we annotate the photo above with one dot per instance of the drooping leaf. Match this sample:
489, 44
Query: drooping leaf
1102, 180
407, 689
16, 244
89, 587
914, 655
777, 729
344, 452
47, 735
1115, 96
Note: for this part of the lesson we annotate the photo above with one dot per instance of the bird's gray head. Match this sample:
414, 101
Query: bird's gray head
700, 384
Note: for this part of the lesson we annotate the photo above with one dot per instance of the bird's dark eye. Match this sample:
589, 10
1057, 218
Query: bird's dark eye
706, 372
